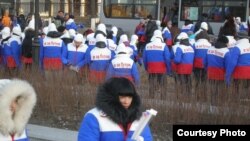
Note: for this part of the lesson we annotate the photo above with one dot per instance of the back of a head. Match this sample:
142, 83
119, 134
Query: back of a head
157, 35
123, 38
150, 17
122, 49
202, 35
52, 27
108, 101
102, 27
221, 42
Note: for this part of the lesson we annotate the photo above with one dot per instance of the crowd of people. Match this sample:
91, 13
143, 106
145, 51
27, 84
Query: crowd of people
161, 48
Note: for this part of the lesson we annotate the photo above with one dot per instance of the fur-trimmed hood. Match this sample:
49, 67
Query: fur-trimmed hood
9, 91
108, 101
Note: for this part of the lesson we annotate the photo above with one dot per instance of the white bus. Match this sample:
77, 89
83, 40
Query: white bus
126, 14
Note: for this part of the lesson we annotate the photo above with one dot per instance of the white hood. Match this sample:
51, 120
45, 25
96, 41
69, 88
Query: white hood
9, 91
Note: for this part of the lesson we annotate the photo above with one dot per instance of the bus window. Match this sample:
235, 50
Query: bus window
141, 11
130, 8
236, 9
190, 13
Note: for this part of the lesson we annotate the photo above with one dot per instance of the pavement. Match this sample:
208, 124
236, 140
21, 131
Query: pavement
42, 133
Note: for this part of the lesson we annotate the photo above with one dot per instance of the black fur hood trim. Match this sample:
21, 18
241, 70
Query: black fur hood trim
108, 101
54, 34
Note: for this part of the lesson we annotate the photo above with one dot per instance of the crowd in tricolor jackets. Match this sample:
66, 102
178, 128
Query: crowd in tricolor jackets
105, 54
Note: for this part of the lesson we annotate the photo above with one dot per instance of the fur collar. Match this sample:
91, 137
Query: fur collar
108, 102
8, 92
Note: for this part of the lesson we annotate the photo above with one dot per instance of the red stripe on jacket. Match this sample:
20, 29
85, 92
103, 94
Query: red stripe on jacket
11, 63
52, 64
241, 72
97, 76
198, 63
216, 73
156, 67
184, 69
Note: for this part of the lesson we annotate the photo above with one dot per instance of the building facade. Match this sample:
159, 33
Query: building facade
48, 8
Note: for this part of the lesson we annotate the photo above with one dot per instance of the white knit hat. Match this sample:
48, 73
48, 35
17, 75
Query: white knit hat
79, 38
52, 27
45, 30
72, 33
182, 36
204, 26
100, 38
102, 28
134, 39
157, 34
5, 32
122, 48
17, 30
123, 38
115, 30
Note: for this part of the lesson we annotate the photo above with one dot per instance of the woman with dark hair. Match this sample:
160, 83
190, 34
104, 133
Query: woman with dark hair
27, 48
219, 68
229, 28
115, 118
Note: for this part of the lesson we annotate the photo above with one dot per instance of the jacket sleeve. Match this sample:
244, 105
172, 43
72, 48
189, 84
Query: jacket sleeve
41, 54
135, 74
89, 130
110, 71
178, 56
235, 53
144, 55
229, 67
167, 59
16, 52
65, 55
82, 63
146, 134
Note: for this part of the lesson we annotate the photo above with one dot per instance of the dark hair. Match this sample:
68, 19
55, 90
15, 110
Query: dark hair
108, 101
185, 42
187, 22
120, 86
61, 28
202, 35
221, 42
150, 17
60, 11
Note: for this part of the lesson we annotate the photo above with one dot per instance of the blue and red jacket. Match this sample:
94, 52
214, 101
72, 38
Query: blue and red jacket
98, 60
187, 28
51, 53
184, 58
172, 52
22, 137
111, 46
156, 57
167, 36
96, 126
70, 24
241, 60
218, 64
123, 66
12, 52
243, 27
200, 53
74, 56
